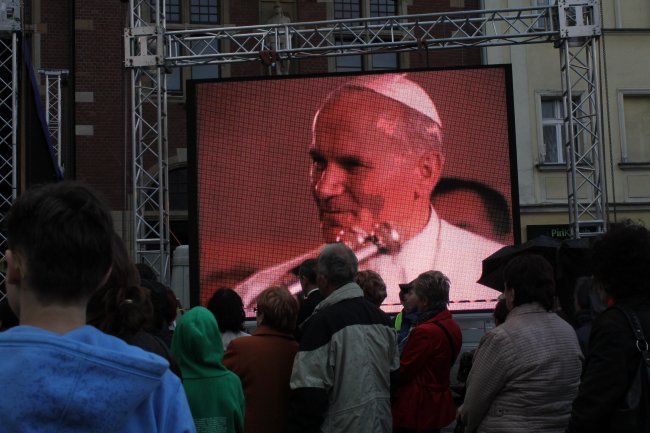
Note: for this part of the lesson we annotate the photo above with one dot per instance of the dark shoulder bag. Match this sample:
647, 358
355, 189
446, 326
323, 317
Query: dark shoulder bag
633, 415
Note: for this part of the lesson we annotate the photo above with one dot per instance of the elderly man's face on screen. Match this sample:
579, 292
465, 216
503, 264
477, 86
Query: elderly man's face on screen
364, 172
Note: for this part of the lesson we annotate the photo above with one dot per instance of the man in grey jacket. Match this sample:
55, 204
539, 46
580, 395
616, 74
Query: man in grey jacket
348, 356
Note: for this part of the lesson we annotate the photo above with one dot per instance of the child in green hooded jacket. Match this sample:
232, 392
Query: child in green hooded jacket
214, 393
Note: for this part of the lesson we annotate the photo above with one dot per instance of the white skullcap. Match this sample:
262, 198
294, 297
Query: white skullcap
400, 89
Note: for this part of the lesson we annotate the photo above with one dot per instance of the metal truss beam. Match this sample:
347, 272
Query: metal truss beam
351, 36
150, 212
150, 49
53, 113
10, 25
579, 21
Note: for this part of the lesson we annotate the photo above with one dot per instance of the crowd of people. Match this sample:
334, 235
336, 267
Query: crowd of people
93, 346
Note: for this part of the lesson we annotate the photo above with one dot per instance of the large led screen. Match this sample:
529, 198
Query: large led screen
413, 170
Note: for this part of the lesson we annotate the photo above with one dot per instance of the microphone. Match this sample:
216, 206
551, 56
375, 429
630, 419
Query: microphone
382, 239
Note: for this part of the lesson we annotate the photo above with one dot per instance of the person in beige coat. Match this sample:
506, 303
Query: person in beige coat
526, 372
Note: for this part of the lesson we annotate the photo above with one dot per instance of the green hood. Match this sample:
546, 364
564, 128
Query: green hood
197, 346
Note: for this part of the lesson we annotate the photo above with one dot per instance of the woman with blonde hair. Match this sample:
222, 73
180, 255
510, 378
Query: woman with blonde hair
264, 361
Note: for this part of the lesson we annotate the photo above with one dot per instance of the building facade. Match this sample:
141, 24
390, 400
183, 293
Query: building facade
86, 38
624, 75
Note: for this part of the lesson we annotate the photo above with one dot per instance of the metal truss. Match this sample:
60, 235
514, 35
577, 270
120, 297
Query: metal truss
10, 25
150, 201
343, 37
579, 21
53, 113
150, 49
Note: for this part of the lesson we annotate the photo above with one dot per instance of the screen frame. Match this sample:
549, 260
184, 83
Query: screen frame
192, 151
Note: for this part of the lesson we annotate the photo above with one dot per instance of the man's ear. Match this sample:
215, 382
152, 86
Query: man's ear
429, 168
14, 267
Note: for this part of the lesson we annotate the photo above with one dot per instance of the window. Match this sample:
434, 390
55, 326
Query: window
552, 149
204, 12
346, 9
184, 14
635, 127
540, 24
173, 11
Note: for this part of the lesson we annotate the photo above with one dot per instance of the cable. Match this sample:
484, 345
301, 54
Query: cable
609, 126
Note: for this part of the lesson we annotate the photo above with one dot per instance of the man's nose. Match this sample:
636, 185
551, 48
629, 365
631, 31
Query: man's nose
331, 182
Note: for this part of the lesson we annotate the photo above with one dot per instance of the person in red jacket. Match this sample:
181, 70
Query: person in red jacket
424, 402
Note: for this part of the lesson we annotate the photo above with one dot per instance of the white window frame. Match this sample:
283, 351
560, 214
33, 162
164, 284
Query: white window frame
541, 148
621, 93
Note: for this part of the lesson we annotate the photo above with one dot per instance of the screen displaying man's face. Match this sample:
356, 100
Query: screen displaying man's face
284, 165
362, 173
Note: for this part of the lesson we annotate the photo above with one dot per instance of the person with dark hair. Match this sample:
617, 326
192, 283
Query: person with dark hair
587, 306
526, 371
159, 324
347, 359
406, 318
473, 206
374, 288
146, 272
214, 393
61, 374
263, 362
311, 294
424, 402
123, 308
228, 309
501, 311
621, 269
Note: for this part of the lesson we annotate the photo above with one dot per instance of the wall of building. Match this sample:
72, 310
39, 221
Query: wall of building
625, 61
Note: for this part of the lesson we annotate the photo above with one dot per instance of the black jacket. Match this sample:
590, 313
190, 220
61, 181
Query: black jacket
612, 361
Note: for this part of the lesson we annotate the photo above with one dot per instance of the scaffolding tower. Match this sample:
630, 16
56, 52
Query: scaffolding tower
53, 113
10, 26
150, 49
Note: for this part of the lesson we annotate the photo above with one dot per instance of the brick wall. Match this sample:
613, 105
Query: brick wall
99, 69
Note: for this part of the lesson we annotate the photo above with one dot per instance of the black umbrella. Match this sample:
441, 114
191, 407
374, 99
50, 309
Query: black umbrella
492, 274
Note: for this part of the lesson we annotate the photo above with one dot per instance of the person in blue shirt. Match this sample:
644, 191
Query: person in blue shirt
59, 374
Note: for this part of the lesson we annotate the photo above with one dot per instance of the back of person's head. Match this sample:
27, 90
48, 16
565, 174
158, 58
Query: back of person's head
434, 286
338, 264
146, 272
308, 270
121, 307
622, 260
278, 309
531, 277
501, 311
60, 236
373, 286
582, 294
158, 295
228, 308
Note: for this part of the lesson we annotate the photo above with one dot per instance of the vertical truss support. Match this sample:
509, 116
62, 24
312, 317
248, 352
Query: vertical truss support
150, 199
579, 23
53, 113
10, 26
